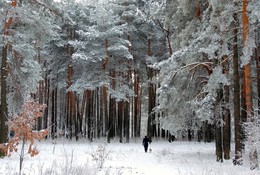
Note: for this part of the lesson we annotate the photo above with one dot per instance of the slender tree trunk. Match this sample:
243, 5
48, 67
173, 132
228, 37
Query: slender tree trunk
132, 117
4, 112
70, 94
40, 91
226, 117
219, 127
207, 132
54, 113
257, 60
88, 114
151, 97
247, 67
140, 110
46, 95
249, 91
236, 99
112, 106
79, 117
94, 111
85, 125
127, 121
82, 112
219, 148
92, 115
120, 120
4, 74
41, 101
227, 123
105, 94
243, 113
102, 121
99, 123
136, 97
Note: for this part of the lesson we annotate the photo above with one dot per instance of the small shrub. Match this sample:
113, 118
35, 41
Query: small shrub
100, 155
22, 126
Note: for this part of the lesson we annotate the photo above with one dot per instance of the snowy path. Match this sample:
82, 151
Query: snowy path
187, 158
76, 158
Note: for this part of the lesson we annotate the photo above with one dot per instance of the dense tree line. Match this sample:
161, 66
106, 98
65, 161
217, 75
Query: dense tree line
106, 68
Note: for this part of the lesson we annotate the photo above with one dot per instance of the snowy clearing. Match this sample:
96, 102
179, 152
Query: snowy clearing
63, 157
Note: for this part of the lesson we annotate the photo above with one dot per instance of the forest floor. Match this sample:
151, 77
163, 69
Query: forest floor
63, 157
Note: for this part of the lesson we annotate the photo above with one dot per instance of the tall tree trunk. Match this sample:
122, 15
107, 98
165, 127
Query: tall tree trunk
127, 121
101, 113
151, 97
120, 120
207, 132
243, 113
127, 107
226, 117
46, 94
257, 60
227, 123
41, 101
78, 125
4, 109
40, 91
54, 113
99, 122
105, 94
236, 99
70, 94
82, 113
140, 110
136, 104
219, 126
112, 105
249, 91
4, 112
219, 148
94, 111
89, 115
92, 115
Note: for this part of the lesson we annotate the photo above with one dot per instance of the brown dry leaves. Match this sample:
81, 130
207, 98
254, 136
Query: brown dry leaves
22, 125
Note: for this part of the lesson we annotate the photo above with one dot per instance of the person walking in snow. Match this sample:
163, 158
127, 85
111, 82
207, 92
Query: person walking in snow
145, 143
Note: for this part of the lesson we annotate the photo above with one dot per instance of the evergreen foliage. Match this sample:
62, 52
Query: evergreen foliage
104, 66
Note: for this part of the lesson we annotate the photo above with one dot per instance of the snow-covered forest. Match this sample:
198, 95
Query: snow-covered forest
117, 70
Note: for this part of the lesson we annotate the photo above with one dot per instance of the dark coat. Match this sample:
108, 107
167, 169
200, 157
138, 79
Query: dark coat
145, 142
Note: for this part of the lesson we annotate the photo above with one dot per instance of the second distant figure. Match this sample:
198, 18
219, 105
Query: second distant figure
145, 143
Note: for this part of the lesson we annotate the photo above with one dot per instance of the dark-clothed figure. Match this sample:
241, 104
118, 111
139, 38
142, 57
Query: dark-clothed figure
145, 143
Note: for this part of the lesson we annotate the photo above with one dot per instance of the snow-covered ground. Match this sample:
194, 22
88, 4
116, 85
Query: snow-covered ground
63, 157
